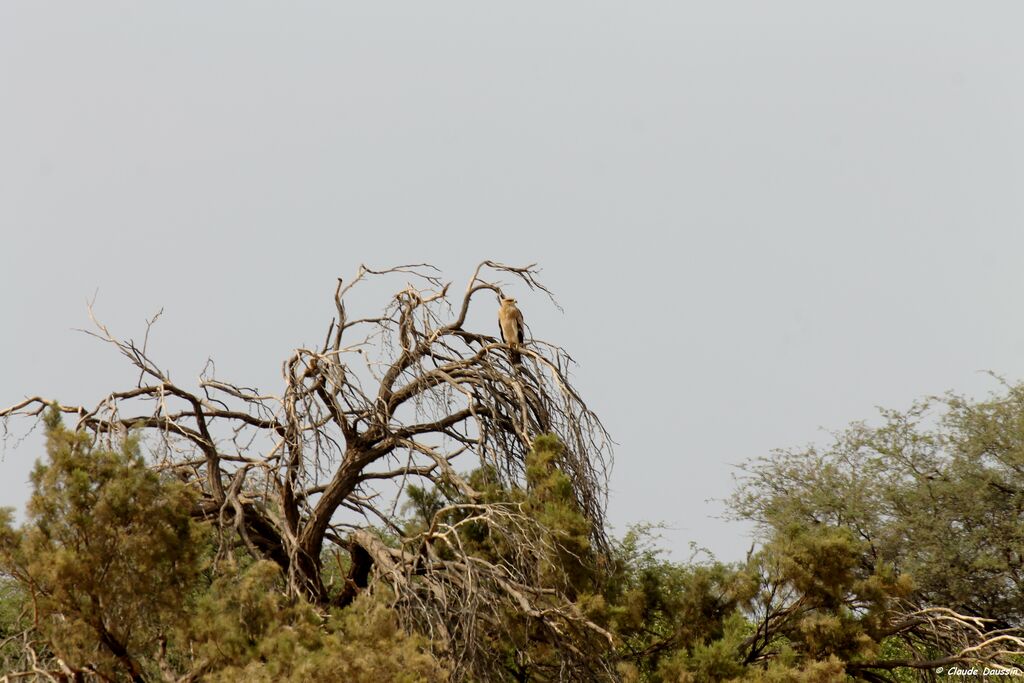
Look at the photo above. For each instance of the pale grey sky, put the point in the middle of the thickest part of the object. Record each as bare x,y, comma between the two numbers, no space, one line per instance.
760,218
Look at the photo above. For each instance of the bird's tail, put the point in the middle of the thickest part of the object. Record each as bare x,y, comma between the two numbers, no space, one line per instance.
515,356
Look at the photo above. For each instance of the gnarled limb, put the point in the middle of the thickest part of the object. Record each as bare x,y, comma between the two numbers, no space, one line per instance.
401,395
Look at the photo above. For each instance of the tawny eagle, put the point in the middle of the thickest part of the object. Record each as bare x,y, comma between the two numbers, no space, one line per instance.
510,320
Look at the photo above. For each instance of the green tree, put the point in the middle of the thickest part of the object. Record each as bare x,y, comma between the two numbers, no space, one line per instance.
111,579
541,537
247,628
660,610
893,551
309,476
107,556
890,527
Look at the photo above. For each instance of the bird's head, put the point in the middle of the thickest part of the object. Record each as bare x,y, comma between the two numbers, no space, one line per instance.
508,301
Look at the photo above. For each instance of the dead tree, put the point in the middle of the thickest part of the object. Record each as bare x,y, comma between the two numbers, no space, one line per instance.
407,394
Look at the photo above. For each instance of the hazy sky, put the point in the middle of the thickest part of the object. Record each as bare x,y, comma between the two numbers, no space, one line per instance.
761,218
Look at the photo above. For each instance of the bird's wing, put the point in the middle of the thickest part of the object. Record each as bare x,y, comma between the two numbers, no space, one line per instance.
520,325
501,325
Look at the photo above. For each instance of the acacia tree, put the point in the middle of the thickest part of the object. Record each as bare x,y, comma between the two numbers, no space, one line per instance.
898,547
406,395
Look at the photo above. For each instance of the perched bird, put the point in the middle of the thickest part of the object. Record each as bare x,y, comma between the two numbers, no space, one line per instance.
510,320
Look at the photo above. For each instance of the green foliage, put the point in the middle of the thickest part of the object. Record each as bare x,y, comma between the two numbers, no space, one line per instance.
925,508
119,579
796,611
935,492
112,574
14,617
710,659
107,555
660,609
247,628
550,501
830,670
564,564
842,601
424,503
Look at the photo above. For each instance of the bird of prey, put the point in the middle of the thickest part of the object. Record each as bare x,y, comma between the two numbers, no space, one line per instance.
510,320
